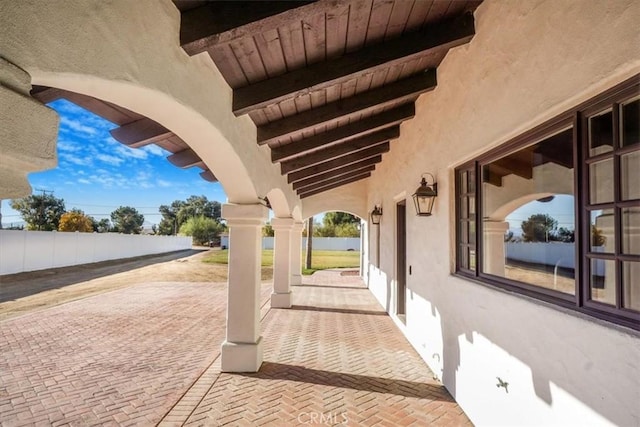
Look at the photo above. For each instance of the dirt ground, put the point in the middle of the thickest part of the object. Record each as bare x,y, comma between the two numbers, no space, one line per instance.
38,290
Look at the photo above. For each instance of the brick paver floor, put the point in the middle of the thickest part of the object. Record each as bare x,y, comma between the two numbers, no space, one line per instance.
149,354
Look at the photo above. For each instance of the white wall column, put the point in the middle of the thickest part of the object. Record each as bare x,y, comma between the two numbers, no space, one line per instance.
281,296
494,252
28,132
296,253
242,349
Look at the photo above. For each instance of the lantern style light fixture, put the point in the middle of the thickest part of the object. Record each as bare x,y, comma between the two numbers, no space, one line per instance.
425,195
376,215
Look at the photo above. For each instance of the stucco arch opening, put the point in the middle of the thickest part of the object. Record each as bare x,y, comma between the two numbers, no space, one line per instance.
199,133
506,209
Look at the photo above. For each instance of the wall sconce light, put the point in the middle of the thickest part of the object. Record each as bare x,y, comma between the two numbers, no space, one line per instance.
425,196
376,215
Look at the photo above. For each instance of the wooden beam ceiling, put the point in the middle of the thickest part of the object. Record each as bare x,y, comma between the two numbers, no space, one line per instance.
405,90
332,186
443,36
363,164
344,133
337,163
184,159
328,83
140,133
219,22
336,179
339,150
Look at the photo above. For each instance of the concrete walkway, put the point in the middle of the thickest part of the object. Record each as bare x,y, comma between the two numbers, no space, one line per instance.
148,355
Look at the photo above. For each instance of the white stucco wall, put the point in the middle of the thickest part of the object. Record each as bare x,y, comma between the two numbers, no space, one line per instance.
529,61
128,53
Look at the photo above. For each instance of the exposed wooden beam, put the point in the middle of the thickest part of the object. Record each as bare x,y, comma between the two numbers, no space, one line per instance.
47,94
364,164
335,179
225,21
332,186
337,163
440,37
207,175
403,90
344,133
141,132
340,150
185,158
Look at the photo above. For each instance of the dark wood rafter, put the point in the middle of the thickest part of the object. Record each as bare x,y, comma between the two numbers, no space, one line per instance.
441,37
340,150
207,175
405,90
338,163
332,186
336,179
222,22
185,159
368,164
344,133
140,133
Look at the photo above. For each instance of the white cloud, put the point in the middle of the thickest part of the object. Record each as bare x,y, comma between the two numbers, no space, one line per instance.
66,145
163,183
84,181
71,158
77,126
112,160
132,153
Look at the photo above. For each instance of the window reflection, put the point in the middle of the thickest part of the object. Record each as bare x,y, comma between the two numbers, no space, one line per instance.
528,206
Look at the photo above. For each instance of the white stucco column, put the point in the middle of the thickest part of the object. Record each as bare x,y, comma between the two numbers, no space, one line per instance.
28,132
295,254
281,296
494,253
242,349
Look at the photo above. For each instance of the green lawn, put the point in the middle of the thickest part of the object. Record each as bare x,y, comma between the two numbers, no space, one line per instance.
320,260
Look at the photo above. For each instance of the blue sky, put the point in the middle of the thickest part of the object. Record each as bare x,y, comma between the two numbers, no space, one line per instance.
97,174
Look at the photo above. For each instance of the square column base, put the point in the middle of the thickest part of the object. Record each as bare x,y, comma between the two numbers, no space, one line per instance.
279,300
296,279
241,357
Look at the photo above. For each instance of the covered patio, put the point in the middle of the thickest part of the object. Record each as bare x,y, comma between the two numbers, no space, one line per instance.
150,354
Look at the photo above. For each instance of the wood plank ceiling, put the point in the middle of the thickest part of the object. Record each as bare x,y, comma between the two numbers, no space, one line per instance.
327,83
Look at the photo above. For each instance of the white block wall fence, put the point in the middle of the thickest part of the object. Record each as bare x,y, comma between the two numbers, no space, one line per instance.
319,243
38,250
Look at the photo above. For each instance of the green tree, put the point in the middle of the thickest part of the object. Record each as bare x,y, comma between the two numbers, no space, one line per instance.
127,220
40,212
539,228
267,230
75,220
176,214
338,224
102,226
201,228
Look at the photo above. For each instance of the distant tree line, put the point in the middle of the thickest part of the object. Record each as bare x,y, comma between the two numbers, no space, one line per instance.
197,217
334,224
544,228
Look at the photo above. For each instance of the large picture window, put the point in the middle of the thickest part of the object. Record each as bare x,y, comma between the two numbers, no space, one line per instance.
555,213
